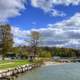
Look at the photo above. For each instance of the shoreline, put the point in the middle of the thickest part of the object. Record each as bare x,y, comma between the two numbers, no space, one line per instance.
48,63
13,72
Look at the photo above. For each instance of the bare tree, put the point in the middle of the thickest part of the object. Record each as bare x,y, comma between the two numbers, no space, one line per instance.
35,38
34,42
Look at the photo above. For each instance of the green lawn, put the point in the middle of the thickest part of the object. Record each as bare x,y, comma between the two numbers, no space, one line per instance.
12,64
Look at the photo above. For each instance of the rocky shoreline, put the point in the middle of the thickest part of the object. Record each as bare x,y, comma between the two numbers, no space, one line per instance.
10,73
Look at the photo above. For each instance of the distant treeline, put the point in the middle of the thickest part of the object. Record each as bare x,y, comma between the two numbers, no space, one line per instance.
48,51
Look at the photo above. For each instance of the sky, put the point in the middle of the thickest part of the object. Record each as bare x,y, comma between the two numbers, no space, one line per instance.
57,20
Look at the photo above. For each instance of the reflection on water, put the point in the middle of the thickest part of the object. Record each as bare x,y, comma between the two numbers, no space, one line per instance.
54,72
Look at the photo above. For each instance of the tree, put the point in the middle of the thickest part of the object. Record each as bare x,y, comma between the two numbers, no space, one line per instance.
7,39
34,42
45,54
35,37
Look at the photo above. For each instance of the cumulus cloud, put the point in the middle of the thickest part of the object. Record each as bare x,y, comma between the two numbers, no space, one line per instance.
19,42
17,32
73,22
10,8
67,2
67,31
73,43
47,6
62,34
19,36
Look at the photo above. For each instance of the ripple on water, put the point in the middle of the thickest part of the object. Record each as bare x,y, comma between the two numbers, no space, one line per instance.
57,72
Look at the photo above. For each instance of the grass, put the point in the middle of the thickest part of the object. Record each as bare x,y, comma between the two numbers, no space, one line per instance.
12,64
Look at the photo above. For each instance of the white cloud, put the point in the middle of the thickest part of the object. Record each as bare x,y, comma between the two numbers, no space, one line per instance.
57,13
19,33
63,34
18,41
67,2
20,36
10,8
67,31
72,43
46,6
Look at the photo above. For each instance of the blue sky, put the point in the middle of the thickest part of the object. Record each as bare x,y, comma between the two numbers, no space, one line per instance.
33,17
57,20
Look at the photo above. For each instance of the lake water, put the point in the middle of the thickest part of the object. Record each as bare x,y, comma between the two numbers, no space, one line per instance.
54,72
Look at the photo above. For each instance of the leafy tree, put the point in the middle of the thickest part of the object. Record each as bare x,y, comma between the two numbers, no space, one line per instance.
7,39
45,54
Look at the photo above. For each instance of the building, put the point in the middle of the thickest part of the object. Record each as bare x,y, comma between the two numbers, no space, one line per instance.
6,39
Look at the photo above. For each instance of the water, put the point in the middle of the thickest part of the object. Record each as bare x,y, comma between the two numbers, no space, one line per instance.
55,72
